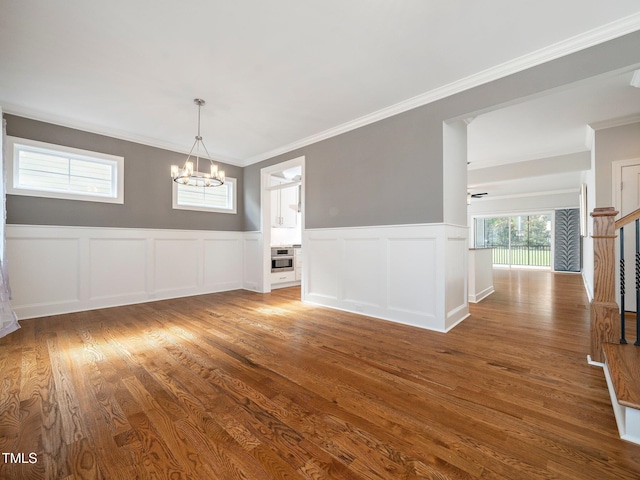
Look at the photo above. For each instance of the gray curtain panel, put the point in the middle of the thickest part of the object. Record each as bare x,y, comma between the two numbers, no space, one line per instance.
8,321
567,240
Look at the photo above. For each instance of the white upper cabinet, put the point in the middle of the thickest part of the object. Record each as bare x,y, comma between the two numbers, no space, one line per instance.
284,205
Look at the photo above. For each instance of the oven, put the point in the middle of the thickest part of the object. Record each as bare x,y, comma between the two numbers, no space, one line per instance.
281,259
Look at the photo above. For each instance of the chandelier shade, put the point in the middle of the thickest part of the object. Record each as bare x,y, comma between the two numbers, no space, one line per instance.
187,174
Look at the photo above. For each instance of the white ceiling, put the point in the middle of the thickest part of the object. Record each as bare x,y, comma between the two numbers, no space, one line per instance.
542,145
275,74
551,125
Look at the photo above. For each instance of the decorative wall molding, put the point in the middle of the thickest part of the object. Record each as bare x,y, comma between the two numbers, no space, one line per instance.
412,274
252,250
57,270
480,269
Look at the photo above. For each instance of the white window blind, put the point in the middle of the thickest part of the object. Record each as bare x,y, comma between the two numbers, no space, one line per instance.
220,199
60,172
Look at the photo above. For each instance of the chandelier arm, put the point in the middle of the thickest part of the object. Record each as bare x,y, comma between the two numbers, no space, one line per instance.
191,151
206,151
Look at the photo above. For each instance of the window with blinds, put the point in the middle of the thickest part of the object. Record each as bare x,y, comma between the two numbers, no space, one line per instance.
54,171
220,199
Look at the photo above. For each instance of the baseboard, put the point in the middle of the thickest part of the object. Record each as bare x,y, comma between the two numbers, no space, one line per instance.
478,297
594,363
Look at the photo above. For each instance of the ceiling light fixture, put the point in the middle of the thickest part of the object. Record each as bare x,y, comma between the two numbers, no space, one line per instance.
187,175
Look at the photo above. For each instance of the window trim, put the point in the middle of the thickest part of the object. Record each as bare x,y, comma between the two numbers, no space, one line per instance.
234,200
13,170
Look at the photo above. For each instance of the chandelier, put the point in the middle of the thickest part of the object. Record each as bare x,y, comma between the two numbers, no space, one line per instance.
195,178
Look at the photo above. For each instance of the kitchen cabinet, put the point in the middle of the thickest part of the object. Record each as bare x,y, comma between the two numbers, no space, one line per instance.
284,207
282,277
289,278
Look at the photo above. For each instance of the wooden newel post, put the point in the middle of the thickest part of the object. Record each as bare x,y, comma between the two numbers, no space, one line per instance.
605,314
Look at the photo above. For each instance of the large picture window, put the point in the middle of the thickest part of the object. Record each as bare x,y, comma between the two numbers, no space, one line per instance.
521,240
220,199
54,171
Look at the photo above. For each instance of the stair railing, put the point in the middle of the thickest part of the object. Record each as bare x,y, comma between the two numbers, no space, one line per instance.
619,225
607,319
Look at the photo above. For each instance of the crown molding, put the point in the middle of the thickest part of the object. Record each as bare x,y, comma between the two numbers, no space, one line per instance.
635,80
105,131
616,122
574,44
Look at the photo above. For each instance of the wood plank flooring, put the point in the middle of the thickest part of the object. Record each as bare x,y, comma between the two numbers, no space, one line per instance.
240,385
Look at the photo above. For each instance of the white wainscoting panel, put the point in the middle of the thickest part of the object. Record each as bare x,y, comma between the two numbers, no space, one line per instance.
362,271
480,270
223,257
54,269
43,270
177,264
118,268
412,274
322,274
252,251
456,288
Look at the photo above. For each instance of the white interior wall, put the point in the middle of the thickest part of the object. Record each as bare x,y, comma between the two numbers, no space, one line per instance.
589,177
455,172
516,204
611,145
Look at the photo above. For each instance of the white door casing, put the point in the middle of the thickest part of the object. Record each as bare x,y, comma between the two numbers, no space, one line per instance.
626,192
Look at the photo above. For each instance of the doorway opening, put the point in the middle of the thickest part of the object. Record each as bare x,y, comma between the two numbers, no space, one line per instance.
282,193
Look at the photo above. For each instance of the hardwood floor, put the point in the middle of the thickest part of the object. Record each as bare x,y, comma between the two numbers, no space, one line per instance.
240,385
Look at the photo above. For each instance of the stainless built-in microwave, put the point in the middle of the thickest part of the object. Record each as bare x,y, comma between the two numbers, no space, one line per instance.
281,259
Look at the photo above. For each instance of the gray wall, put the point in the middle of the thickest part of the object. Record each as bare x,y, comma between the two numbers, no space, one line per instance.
147,187
356,178
343,183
